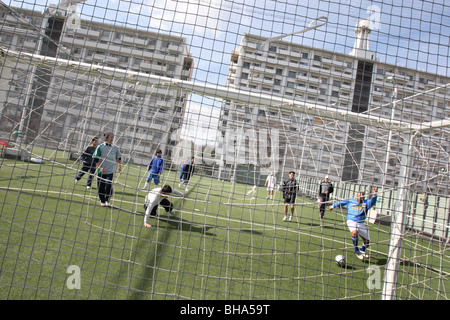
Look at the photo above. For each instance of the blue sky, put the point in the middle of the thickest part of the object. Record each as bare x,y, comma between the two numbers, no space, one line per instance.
409,33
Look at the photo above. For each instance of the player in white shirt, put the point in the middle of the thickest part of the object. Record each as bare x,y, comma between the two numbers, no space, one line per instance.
156,197
271,182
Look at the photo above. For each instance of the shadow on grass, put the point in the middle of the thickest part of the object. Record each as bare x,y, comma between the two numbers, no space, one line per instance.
175,223
377,261
149,280
252,231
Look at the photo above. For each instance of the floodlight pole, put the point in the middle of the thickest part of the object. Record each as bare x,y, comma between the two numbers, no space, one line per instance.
311,26
398,219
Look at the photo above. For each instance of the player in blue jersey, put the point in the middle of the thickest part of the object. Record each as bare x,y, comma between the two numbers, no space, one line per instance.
356,216
155,169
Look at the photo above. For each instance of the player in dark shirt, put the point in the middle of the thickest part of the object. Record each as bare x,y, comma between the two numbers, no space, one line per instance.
88,165
325,190
289,188
187,170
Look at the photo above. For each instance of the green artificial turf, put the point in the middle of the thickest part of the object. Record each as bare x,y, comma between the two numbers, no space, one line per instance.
219,244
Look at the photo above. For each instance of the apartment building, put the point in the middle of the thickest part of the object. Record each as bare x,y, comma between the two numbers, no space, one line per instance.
69,106
317,147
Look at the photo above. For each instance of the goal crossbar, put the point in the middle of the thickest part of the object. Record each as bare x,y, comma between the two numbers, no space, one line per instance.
226,93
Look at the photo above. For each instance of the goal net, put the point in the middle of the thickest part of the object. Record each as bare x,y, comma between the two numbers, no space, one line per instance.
250,113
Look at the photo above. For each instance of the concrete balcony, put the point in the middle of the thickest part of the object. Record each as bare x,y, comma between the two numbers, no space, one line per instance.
112,59
30,44
308,79
134,40
153,67
175,48
86,32
99,57
285,52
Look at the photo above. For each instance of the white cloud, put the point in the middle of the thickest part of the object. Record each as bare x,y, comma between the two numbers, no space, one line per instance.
185,17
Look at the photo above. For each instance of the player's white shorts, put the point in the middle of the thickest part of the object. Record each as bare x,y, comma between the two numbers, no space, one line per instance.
270,188
360,227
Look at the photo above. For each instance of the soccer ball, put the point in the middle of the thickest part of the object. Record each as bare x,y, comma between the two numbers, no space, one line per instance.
340,260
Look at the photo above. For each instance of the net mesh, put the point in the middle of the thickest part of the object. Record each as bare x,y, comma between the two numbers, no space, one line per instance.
250,92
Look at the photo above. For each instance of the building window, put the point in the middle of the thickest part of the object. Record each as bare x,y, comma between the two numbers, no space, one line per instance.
336,83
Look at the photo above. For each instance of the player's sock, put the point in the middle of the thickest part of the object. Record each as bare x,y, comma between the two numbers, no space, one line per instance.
364,247
355,243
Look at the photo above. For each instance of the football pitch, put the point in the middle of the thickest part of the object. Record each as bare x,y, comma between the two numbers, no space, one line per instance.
220,243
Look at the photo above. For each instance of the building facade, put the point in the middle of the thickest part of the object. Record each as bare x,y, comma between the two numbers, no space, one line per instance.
65,107
317,147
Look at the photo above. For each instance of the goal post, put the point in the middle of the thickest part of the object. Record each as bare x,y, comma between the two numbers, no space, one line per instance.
226,93
399,214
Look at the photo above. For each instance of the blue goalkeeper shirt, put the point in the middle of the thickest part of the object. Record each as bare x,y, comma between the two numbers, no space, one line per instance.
156,165
357,211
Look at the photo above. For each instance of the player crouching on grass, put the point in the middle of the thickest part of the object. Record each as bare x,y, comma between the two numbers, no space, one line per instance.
156,197
356,215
